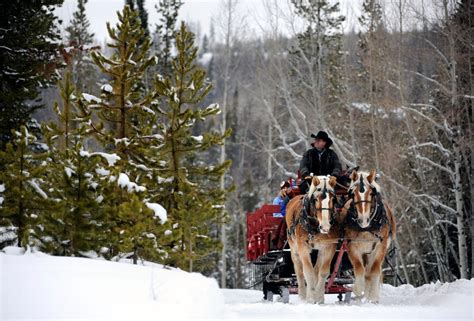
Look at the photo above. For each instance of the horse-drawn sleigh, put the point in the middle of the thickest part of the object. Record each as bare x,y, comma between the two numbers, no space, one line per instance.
336,232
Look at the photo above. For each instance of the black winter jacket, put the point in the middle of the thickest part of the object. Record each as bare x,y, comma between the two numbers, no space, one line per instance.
329,164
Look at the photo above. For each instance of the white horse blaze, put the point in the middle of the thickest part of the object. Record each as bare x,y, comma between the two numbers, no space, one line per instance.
316,190
366,207
325,215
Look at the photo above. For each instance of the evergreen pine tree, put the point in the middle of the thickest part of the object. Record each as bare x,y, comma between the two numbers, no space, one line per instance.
22,195
192,194
371,41
139,5
79,41
28,40
73,226
165,33
127,130
78,30
123,105
143,16
132,230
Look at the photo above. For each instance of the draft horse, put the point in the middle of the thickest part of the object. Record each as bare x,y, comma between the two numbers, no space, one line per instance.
312,225
369,225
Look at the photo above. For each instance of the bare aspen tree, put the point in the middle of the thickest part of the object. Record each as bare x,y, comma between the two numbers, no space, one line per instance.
229,23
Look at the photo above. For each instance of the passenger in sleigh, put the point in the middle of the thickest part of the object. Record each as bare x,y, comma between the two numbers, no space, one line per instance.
282,199
279,238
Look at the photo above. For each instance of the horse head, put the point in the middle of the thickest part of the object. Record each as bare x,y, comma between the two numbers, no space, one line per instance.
363,191
321,194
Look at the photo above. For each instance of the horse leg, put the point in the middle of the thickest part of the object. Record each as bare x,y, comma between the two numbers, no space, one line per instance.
369,262
299,272
359,271
308,271
375,272
323,265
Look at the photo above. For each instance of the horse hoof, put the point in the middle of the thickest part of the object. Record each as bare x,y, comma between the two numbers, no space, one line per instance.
315,300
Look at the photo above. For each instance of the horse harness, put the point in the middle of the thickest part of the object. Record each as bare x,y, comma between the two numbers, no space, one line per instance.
309,222
378,217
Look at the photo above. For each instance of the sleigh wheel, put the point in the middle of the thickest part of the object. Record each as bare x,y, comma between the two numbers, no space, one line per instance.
269,296
285,294
347,297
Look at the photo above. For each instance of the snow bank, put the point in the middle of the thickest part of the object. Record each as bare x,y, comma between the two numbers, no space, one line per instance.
39,286
36,286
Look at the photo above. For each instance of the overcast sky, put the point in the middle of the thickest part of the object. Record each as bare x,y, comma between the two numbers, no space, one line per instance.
195,11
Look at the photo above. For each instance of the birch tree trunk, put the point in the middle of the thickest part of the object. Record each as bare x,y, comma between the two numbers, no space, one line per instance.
228,16
458,191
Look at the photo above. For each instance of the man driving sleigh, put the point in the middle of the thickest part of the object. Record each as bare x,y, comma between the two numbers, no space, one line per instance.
319,160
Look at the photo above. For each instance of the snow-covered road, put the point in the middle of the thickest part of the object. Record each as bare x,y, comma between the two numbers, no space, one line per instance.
38,286
453,301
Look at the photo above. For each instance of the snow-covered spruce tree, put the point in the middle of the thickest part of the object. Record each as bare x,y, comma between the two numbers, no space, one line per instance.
189,187
126,129
164,36
22,198
142,13
79,39
136,230
28,41
78,31
123,102
72,226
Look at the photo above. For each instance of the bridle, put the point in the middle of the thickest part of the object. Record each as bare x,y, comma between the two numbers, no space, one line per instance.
375,196
324,195
308,221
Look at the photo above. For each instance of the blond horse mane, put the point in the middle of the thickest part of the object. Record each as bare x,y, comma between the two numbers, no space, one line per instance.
365,176
319,182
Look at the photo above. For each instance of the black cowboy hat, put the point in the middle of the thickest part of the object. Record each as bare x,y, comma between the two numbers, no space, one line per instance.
324,136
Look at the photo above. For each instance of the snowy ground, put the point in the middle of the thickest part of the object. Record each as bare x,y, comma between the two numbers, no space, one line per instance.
38,286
